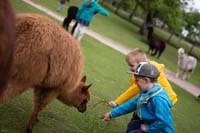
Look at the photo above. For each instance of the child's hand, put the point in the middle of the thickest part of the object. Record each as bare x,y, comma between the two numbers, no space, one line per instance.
112,104
143,127
106,117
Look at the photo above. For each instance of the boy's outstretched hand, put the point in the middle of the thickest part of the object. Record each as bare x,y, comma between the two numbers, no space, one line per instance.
106,117
112,104
143,127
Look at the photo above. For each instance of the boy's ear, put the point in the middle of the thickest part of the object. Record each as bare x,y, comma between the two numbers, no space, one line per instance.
147,79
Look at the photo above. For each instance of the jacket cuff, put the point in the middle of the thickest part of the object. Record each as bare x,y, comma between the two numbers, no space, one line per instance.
118,102
110,113
147,128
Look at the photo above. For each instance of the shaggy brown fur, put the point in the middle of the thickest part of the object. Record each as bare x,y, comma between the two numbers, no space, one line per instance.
7,33
48,59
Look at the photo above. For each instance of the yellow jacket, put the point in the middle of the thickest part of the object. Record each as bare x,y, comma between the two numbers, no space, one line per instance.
133,90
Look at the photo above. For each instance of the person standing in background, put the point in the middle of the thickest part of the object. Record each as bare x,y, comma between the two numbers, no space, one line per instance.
71,15
84,16
61,6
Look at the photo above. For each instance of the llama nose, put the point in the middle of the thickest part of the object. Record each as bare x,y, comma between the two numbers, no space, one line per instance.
82,110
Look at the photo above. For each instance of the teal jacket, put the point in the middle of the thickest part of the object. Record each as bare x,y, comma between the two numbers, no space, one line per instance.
153,107
86,13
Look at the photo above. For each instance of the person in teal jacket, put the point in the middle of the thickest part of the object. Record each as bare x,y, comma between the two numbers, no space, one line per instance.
152,105
84,16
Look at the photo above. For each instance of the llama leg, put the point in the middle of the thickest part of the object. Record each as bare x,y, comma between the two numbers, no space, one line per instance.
185,75
182,75
152,51
190,72
149,50
178,73
42,97
155,52
159,54
11,91
189,75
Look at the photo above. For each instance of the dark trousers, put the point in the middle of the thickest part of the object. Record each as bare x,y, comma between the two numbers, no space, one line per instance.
136,131
66,23
134,125
71,15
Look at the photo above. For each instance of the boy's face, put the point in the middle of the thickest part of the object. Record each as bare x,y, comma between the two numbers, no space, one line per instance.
143,83
132,65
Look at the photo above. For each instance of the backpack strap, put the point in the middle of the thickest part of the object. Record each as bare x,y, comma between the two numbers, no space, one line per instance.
145,101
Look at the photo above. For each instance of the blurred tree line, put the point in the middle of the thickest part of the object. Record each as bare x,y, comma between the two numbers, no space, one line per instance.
171,15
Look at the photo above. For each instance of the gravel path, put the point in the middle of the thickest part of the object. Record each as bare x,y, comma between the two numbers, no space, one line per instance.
194,90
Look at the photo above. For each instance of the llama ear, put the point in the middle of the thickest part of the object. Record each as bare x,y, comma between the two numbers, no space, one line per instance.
85,89
83,79
88,86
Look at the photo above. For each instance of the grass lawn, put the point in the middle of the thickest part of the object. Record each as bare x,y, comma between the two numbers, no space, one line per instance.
106,69
126,33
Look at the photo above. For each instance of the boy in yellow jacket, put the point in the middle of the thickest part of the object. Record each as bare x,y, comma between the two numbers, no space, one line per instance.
133,59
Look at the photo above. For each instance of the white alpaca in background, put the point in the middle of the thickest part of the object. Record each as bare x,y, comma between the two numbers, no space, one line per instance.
186,64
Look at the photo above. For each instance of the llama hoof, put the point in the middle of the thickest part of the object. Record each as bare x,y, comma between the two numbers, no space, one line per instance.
198,98
28,130
184,79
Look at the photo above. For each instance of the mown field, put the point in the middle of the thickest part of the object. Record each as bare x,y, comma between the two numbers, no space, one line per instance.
106,70
126,33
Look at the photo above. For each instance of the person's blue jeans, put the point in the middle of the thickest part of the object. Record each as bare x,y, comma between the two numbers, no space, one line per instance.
136,131
134,125
60,7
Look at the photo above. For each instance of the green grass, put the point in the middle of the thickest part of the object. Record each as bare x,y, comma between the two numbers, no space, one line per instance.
162,33
106,69
109,80
126,33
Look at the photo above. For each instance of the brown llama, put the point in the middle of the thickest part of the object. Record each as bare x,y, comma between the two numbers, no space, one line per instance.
7,34
49,60
156,45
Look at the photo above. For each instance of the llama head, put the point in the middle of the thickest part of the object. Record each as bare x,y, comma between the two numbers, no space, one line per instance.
181,52
77,97
84,95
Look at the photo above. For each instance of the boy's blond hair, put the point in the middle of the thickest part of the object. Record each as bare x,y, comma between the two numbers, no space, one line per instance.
136,55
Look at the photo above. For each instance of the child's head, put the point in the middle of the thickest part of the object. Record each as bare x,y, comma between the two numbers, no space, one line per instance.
134,58
146,75
89,3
